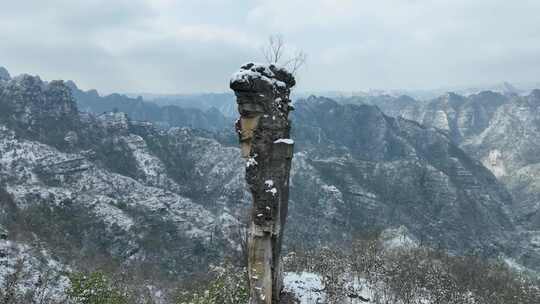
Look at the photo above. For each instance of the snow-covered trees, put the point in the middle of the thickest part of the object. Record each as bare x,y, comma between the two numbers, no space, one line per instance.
375,273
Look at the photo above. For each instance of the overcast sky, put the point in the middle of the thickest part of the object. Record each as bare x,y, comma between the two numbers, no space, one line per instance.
185,46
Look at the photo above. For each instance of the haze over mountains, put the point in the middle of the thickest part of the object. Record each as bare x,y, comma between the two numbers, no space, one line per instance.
158,191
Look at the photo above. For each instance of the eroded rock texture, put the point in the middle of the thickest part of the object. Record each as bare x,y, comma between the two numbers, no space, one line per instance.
262,94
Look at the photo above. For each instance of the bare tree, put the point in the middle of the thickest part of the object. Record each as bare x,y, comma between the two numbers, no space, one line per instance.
276,52
273,51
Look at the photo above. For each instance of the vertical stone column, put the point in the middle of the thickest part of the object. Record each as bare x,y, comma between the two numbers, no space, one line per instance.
262,93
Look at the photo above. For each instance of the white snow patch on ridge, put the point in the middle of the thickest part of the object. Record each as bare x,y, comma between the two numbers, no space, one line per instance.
495,163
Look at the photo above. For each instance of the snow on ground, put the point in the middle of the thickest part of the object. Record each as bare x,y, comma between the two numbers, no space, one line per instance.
38,271
104,209
306,286
309,288
394,238
155,173
82,182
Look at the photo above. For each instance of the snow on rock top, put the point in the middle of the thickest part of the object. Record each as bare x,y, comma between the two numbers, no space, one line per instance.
257,71
270,74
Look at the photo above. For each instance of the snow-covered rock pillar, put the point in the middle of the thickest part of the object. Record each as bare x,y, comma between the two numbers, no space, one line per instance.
262,93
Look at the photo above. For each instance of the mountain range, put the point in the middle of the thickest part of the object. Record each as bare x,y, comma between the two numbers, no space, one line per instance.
500,130
93,182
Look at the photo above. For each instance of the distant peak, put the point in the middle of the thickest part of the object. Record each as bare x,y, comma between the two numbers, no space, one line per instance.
535,94
319,100
406,98
486,94
27,78
4,74
509,88
452,95
71,84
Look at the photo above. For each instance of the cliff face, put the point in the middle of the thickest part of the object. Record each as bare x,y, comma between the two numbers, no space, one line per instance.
382,171
510,147
501,131
39,110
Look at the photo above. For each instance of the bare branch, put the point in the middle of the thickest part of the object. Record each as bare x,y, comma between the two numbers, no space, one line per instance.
275,52
296,62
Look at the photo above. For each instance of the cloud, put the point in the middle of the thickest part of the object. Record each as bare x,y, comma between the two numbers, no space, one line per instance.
391,43
194,45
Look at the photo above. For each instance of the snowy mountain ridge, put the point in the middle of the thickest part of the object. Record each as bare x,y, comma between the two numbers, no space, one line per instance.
107,191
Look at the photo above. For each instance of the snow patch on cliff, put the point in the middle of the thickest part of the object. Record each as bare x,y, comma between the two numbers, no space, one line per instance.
495,163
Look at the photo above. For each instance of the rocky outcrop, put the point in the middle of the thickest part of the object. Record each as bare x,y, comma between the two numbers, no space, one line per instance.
262,94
